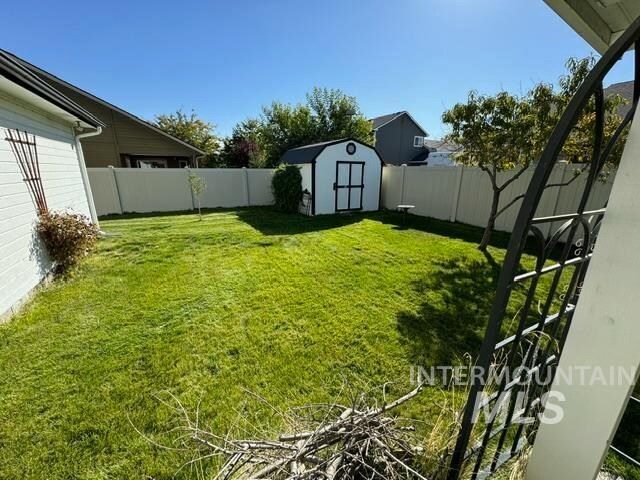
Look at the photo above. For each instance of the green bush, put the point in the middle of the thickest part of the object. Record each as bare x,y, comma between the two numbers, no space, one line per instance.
67,237
287,187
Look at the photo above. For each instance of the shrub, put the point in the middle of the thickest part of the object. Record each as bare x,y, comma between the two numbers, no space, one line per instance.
67,237
287,187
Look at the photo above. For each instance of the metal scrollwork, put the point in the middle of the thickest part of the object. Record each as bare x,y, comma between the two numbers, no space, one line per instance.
534,340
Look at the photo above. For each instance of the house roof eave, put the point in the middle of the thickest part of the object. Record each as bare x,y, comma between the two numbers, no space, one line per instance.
17,74
102,102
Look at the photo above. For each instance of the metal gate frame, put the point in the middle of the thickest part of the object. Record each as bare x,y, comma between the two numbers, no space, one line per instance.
573,244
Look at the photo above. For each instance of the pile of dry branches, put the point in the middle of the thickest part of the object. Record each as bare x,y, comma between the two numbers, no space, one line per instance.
325,441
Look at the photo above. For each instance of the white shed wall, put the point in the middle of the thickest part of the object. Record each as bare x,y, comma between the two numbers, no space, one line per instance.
305,171
326,176
23,264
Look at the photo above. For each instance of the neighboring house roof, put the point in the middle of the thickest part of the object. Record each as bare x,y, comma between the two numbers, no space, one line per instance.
383,120
11,69
42,73
625,90
440,145
308,153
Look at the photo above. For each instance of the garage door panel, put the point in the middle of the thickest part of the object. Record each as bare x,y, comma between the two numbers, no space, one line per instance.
342,200
356,174
343,174
356,198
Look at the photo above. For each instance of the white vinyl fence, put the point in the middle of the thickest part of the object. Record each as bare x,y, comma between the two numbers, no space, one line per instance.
464,194
122,190
457,194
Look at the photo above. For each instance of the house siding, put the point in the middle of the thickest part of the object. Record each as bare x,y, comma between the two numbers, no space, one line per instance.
394,141
23,264
121,136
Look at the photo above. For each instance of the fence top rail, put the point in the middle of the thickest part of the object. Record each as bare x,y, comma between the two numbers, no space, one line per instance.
126,169
568,216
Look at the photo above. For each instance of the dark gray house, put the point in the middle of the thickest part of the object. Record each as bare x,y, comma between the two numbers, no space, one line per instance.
625,90
399,138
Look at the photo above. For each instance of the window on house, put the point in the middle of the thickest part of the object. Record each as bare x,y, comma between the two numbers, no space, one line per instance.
418,142
183,163
153,163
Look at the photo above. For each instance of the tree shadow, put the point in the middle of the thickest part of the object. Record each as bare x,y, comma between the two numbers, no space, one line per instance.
451,319
270,221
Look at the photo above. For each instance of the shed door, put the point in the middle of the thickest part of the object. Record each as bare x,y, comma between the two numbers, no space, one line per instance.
349,186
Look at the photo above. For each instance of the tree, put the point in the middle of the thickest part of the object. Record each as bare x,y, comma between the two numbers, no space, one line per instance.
198,186
193,130
327,114
244,148
508,132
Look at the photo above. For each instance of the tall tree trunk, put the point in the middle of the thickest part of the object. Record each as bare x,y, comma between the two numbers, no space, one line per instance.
491,223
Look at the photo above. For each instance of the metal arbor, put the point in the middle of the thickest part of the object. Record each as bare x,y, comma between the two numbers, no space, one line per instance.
541,327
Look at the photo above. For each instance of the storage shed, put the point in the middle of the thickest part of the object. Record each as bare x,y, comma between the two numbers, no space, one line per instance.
340,175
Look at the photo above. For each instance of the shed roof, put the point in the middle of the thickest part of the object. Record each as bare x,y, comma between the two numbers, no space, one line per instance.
12,70
308,153
46,75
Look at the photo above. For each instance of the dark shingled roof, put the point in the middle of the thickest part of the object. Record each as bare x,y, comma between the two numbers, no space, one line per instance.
625,90
308,153
15,72
382,119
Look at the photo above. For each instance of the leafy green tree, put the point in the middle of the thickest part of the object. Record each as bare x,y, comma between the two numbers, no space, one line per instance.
193,130
327,114
244,147
505,132
337,116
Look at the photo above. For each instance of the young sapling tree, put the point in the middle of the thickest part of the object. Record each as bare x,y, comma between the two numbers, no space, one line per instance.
198,187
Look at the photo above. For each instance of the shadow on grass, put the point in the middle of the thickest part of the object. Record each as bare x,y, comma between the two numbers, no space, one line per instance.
452,317
269,221
175,213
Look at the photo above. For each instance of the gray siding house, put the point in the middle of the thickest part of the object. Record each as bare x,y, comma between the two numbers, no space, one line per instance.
399,138
625,90
126,140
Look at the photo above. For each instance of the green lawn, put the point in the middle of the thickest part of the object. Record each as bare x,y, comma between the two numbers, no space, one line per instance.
285,306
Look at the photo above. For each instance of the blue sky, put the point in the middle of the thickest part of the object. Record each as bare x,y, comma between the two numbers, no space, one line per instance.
226,59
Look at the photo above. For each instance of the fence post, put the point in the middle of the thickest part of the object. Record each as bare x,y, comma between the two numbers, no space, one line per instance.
115,183
559,190
456,194
193,200
556,203
404,173
247,197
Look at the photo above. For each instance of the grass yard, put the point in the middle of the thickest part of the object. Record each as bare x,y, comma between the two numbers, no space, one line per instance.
287,307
